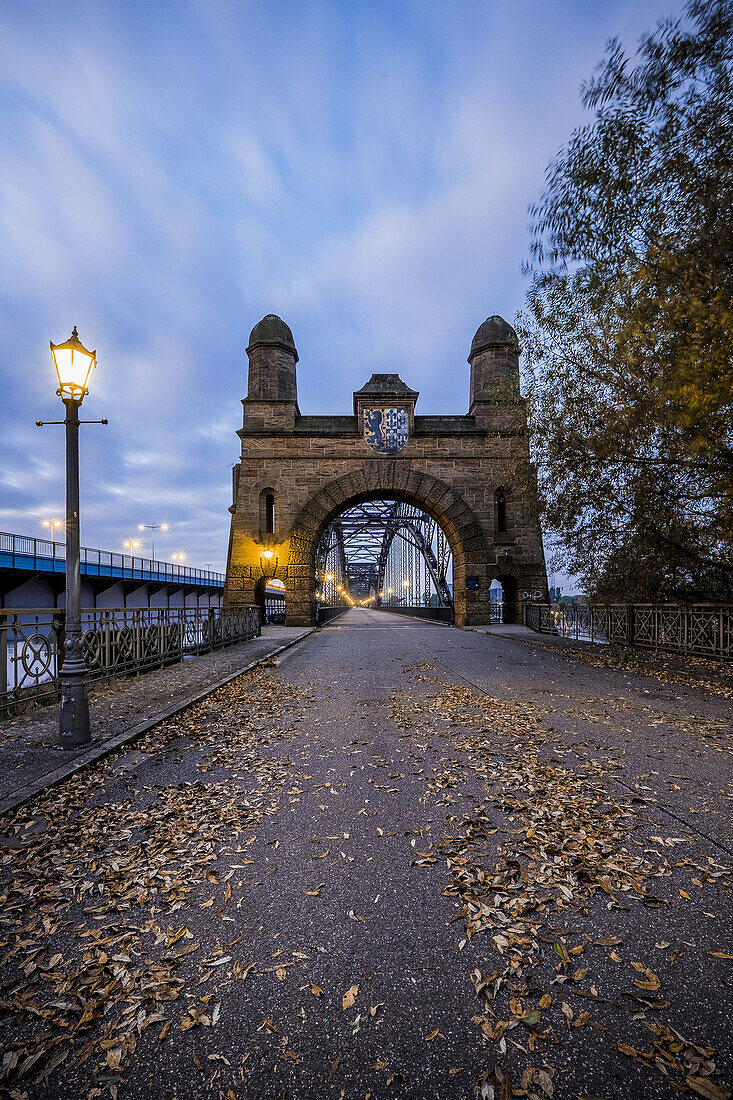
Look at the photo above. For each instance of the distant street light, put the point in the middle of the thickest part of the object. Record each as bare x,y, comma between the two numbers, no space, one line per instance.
132,544
152,527
178,557
53,524
74,365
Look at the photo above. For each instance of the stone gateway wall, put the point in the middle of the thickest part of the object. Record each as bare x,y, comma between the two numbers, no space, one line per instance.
472,473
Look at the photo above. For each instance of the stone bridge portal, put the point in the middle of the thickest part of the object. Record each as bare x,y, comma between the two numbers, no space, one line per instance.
471,473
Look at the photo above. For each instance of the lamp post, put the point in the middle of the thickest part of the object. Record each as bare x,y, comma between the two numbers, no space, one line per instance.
74,365
153,527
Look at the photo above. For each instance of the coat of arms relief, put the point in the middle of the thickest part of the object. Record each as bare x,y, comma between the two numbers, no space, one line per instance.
386,430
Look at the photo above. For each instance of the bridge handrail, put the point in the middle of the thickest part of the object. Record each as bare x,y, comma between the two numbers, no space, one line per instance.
695,629
116,641
48,550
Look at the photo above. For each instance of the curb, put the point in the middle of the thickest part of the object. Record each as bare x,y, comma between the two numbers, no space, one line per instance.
96,752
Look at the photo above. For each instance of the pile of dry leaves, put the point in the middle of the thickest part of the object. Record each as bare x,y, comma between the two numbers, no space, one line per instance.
89,954
568,852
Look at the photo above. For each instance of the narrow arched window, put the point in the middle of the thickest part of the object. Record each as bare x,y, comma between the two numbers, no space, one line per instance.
500,507
267,517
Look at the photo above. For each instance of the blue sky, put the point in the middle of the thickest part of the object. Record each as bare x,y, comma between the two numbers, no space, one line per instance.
173,171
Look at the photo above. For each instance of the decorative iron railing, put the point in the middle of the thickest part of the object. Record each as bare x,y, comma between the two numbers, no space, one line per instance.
48,556
117,641
274,609
703,630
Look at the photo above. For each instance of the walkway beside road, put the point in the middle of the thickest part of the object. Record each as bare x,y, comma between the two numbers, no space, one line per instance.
28,744
402,861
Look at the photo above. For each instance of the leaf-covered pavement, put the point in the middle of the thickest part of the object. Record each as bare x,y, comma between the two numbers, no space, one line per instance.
408,862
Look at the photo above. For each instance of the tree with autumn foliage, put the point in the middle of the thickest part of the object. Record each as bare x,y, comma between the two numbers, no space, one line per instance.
628,327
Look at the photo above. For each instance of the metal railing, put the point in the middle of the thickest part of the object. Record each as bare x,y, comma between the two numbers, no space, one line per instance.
435,614
274,609
117,641
325,612
701,630
47,556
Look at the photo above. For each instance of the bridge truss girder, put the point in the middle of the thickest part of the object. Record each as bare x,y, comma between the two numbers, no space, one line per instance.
361,540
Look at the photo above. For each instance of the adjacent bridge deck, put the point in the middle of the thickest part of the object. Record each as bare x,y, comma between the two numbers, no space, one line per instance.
34,569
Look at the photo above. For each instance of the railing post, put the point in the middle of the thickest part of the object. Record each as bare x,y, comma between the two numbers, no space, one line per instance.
4,654
629,624
686,614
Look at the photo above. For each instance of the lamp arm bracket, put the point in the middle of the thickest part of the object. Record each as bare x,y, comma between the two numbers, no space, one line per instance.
43,423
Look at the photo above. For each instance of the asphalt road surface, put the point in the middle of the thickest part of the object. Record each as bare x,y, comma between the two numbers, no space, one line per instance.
404,861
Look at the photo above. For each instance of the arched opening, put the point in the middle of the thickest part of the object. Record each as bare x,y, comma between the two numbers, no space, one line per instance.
396,482
509,607
500,512
496,596
385,553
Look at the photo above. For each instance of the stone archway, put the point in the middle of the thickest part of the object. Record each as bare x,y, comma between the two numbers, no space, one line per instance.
472,473
375,480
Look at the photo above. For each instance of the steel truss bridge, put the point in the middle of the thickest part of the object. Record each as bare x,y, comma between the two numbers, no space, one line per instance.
385,552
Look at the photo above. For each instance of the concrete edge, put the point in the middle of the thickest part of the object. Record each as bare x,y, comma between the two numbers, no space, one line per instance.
96,752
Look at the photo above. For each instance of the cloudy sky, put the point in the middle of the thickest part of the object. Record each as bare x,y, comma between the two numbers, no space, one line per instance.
173,171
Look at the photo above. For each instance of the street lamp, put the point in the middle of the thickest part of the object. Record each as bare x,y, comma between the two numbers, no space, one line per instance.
74,365
53,524
132,544
178,557
153,527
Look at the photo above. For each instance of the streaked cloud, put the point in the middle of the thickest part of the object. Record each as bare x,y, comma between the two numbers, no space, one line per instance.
171,172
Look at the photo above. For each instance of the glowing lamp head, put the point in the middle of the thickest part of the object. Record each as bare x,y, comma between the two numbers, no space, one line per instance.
74,365
267,554
405,584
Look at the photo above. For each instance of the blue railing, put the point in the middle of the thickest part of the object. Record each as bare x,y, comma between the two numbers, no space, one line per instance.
45,556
